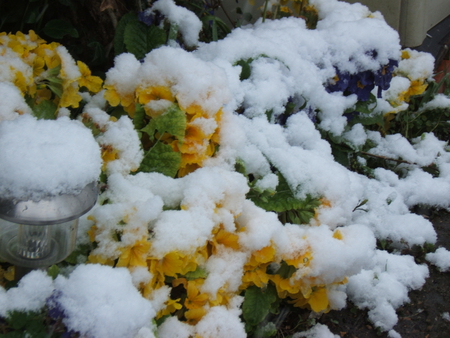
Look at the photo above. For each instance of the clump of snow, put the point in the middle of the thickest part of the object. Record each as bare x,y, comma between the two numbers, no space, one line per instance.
30,294
69,69
176,68
12,103
439,101
123,139
221,323
187,22
99,301
440,258
124,74
173,328
317,331
417,65
385,287
46,157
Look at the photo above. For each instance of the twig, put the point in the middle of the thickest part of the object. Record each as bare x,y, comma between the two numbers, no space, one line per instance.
226,14
386,158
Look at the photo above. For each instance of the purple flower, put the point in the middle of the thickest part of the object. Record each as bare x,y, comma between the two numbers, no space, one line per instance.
339,83
150,17
383,76
362,84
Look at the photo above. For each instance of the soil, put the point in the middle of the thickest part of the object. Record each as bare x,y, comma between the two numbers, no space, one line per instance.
422,317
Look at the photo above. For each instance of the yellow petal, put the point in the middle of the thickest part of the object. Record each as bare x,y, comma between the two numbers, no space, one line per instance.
319,300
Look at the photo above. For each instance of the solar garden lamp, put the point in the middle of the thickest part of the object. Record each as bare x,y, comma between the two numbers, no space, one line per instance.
38,234
38,228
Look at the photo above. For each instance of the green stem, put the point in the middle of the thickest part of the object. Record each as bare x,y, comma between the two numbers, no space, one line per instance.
265,10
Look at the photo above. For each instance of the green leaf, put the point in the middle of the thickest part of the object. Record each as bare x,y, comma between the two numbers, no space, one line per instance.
173,121
240,167
45,110
140,39
119,44
368,120
53,72
283,199
285,270
266,331
56,88
31,323
197,273
173,32
139,116
257,304
53,271
80,251
58,28
246,69
161,158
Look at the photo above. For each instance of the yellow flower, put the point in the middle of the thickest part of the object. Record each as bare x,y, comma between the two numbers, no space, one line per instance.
172,305
100,259
145,95
108,154
195,299
92,83
225,238
48,54
7,274
70,96
114,98
135,255
255,276
338,234
193,111
92,232
21,82
319,299
255,269
42,95
175,263
222,298
285,286
299,260
35,38
158,278
405,55
38,65
264,255
416,87
193,316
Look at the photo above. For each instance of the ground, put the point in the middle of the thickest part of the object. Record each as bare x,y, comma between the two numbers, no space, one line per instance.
421,318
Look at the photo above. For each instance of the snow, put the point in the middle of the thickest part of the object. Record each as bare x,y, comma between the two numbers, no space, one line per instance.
63,154
186,21
440,258
290,64
318,331
95,308
30,294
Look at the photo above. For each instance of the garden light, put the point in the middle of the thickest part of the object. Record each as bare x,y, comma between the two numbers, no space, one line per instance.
38,234
48,175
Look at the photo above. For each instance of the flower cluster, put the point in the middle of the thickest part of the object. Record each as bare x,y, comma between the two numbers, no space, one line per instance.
46,75
161,105
219,257
363,82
